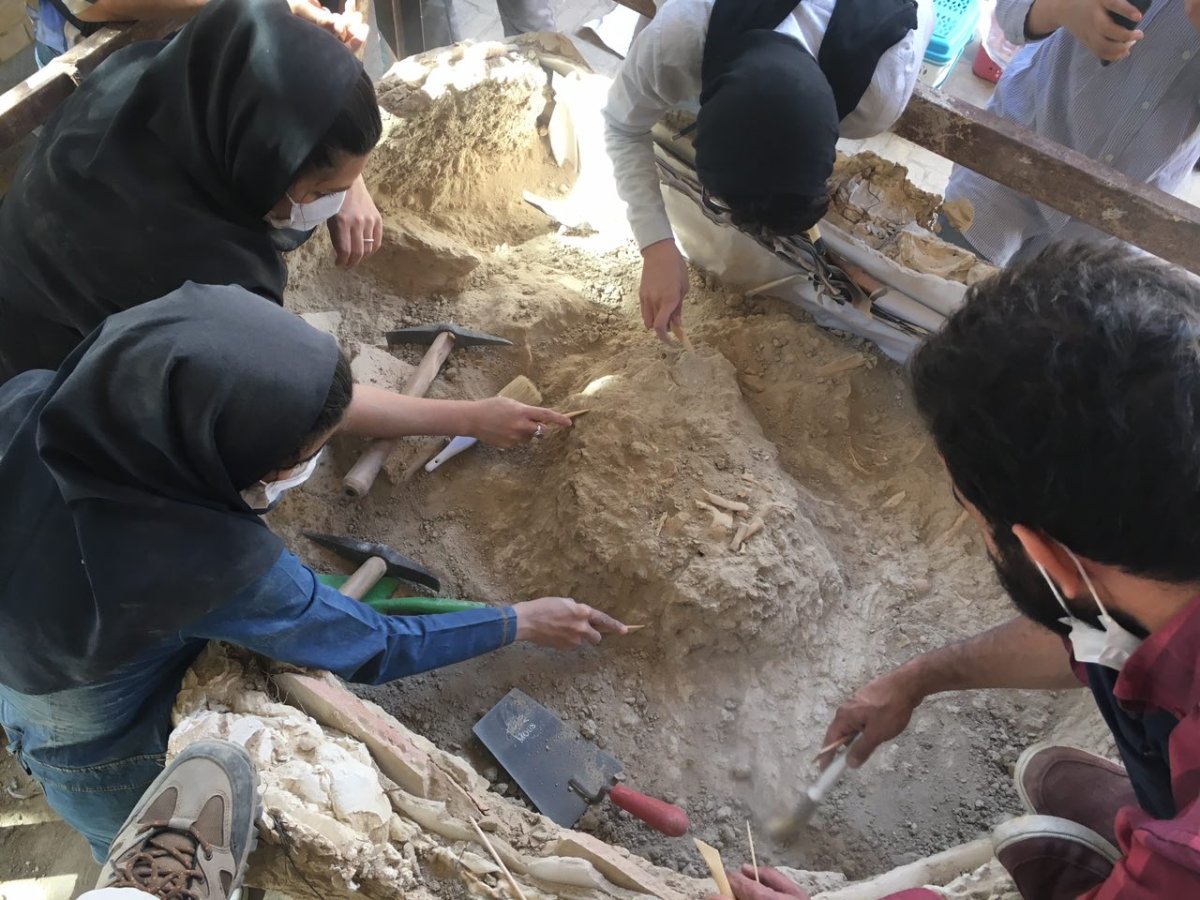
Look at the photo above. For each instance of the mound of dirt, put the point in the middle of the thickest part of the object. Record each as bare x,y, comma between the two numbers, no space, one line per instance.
862,560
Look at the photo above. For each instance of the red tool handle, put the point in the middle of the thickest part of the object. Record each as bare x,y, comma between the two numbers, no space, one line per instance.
658,814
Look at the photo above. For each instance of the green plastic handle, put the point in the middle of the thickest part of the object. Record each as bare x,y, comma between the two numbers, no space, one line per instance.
380,599
421,606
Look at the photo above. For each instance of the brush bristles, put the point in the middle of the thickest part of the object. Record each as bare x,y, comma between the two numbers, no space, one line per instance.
522,390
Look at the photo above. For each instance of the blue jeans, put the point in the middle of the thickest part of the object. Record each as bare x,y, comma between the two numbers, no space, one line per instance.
43,53
95,749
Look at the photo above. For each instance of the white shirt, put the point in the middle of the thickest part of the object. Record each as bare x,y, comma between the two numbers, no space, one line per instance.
662,72
1140,115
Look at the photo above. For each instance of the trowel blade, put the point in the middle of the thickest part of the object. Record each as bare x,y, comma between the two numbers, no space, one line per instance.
544,755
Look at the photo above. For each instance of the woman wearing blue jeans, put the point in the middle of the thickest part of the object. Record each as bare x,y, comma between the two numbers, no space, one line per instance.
134,479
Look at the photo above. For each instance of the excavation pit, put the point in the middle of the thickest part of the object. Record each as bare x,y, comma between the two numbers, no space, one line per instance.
720,702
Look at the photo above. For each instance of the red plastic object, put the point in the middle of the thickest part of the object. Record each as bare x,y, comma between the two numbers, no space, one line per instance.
658,814
985,67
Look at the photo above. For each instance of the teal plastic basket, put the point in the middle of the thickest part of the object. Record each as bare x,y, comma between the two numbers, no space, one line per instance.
953,29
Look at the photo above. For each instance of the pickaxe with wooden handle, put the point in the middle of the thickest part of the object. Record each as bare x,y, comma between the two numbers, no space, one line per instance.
441,339
374,561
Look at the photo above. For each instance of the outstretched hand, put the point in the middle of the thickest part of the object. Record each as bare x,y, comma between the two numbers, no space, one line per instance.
503,422
562,623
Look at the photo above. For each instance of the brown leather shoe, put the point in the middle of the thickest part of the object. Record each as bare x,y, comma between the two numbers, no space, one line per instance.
1051,858
1074,784
192,833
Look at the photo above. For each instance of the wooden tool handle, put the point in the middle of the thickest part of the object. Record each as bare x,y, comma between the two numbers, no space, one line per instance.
658,814
361,477
431,363
426,450
364,578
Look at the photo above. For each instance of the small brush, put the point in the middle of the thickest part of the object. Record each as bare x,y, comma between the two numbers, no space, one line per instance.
787,828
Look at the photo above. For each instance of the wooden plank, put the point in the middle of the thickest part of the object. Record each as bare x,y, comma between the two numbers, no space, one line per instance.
1061,178
29,104
645,7
1047,171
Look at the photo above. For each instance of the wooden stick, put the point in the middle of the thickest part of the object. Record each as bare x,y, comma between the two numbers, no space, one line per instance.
512,882
629,629
681,336
771,285
359,479
716,868
577,413
840,742
731,505
753,855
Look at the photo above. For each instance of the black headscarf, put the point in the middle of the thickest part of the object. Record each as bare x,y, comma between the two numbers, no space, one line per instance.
122,519
769,111
160,168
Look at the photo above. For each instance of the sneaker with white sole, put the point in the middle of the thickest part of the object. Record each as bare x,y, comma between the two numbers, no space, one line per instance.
192,833
1073,784
1051,858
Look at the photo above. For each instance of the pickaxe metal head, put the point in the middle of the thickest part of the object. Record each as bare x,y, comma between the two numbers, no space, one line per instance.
358,552
427,334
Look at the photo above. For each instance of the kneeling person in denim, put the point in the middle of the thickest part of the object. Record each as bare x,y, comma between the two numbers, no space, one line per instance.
130,535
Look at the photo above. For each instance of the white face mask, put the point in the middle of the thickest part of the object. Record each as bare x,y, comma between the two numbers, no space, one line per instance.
262,497
307,216
1111,645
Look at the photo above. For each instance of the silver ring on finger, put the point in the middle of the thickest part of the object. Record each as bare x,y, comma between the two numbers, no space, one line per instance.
539,432
368,240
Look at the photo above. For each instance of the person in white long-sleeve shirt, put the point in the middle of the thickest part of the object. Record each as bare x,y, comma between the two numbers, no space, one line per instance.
774,84
1140,114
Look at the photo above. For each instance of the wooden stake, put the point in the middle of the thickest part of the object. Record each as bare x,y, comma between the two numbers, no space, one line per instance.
681,336
753,855
512,882
716,868
731,505
840,742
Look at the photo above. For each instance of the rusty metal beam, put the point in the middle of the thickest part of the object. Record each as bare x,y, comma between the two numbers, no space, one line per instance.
645,7
1046,171
1050,173
29,104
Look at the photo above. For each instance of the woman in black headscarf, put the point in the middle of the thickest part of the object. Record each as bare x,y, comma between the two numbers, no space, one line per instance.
774,84
198,159
129,535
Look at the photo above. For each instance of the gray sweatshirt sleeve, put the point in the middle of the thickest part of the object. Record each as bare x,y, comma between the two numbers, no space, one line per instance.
661,72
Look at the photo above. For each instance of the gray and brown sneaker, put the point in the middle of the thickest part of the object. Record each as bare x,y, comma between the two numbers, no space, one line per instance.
192,833
1073,784
1051,858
